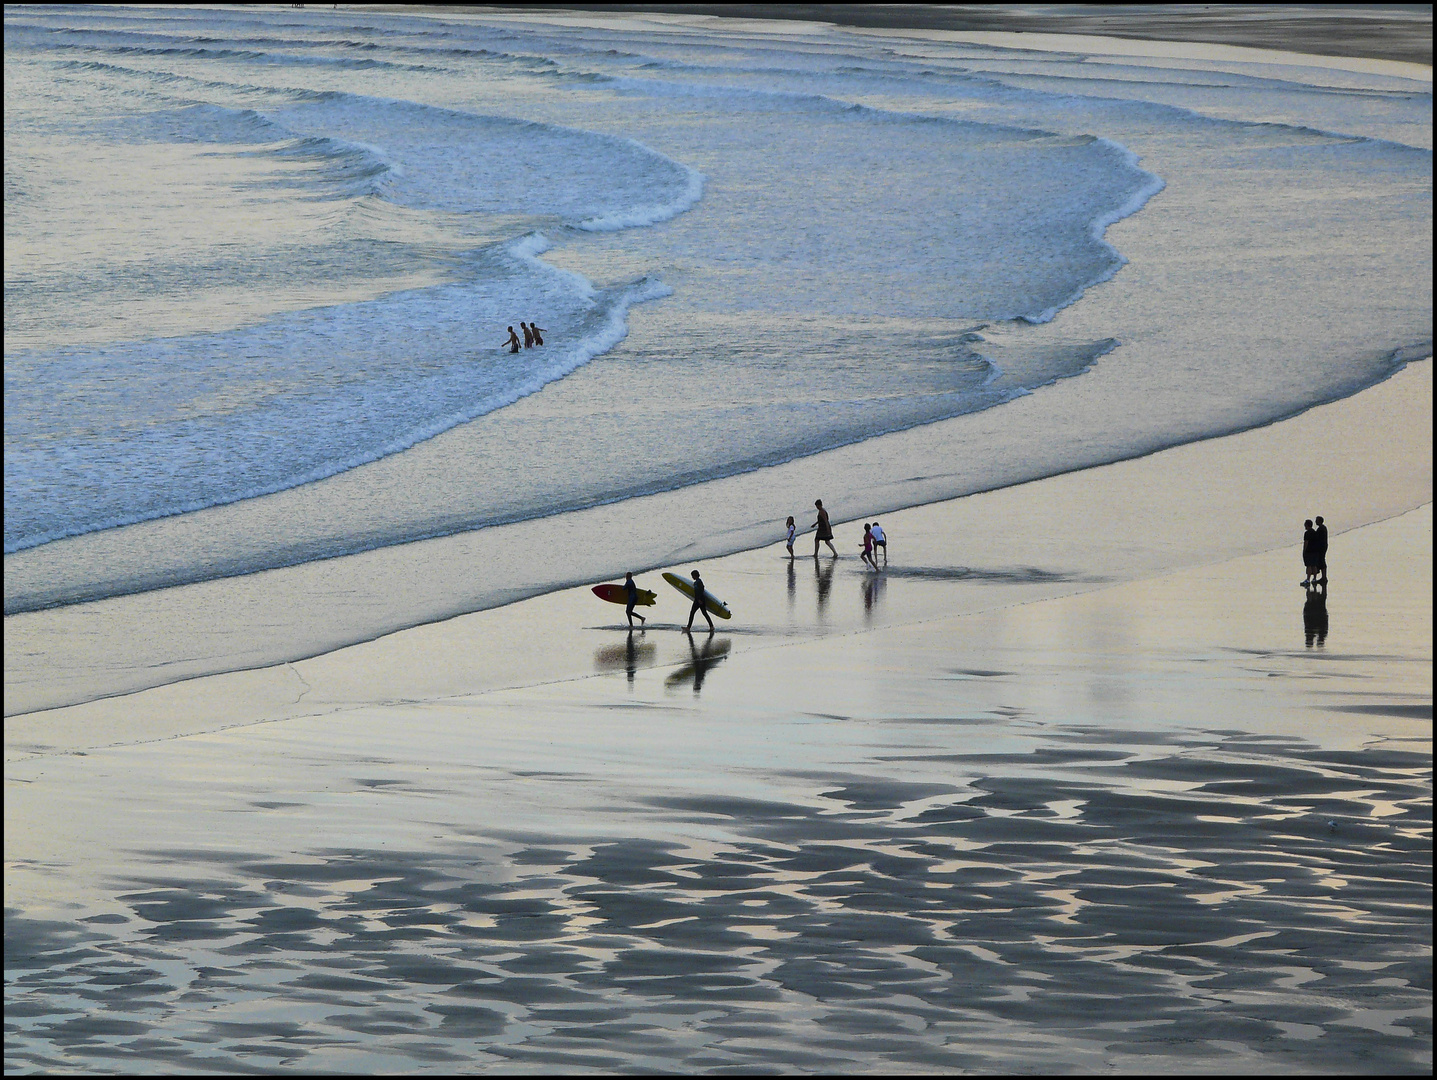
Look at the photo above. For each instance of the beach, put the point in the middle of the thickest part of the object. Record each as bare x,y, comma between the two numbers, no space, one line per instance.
1002,815
358,775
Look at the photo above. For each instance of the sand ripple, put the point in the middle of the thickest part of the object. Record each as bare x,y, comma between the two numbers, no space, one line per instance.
1198,902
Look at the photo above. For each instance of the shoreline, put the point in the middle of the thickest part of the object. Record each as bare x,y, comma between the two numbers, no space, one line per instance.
1346,31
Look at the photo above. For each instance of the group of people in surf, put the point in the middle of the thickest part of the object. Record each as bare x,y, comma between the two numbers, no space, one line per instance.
873,538
533,335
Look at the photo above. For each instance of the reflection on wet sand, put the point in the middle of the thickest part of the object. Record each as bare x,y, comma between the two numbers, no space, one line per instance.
1094,902
704,657
1314,615
823,570
629,657
873,585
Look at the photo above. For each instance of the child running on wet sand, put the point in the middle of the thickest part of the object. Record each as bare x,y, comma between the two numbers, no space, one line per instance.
868,546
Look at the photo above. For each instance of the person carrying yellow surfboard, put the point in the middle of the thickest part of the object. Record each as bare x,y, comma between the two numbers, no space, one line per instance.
699,605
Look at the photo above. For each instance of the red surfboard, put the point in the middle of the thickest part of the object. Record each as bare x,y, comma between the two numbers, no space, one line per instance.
617,594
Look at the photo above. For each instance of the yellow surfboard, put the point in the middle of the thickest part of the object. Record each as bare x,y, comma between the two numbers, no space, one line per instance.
714,605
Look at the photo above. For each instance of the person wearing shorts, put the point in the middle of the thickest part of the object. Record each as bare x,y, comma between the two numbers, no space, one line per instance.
880,541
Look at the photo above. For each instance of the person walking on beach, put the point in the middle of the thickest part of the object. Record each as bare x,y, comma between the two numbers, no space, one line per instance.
631,597
823,532
1309,552
1320,548
880,541
537,330
528,334
792,529
699,597
513,341
868,546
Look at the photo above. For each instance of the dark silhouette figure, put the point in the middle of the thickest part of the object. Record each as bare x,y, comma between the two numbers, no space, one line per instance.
537,330
528,334
1314,616
792,585
1320,548
699,597
823,532
703,659
825,581
513,341
872,593
631,597
631,658
1309,552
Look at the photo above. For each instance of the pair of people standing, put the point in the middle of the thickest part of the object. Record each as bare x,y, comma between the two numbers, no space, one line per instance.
1314,552
532,336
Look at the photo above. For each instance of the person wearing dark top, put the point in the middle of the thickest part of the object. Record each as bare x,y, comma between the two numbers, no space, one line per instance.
631,597
538,330
1309,552
822,530
1320,548
699,598
513,341
528,334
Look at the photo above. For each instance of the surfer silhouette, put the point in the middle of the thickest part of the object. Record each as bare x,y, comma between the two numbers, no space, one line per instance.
631,597
513,341
537,331
528,334
823,532
699,597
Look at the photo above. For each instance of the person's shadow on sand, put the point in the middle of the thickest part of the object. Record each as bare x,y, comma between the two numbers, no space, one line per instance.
705,657
1314,616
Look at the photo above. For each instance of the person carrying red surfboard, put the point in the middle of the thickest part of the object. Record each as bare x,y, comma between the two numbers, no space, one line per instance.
631,597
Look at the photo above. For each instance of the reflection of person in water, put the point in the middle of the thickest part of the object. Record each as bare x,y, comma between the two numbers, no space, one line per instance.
825,579
1314,616
631,657
872,593
704,656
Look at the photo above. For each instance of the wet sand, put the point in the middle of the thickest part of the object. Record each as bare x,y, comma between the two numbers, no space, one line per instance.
1011,805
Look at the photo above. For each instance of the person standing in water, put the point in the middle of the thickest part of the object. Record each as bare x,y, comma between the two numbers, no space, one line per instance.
791,530
631,597
1309,553
528,334
537,330
823,532
880,541
1320,548
513,341
868,546
699,597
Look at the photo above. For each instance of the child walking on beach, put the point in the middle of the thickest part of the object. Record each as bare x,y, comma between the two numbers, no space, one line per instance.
791,530
880,541
868,546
